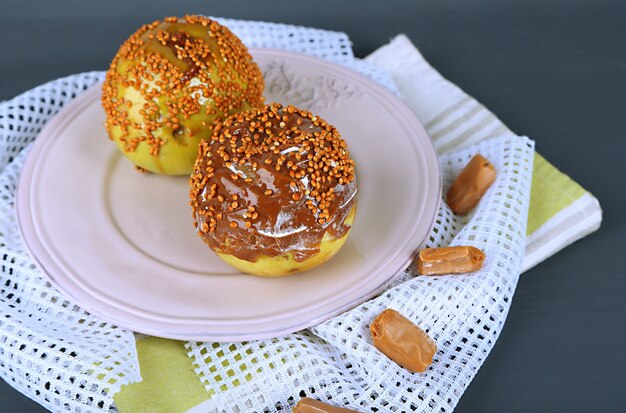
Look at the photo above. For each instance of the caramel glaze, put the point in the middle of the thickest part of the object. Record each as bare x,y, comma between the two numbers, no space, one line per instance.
272,181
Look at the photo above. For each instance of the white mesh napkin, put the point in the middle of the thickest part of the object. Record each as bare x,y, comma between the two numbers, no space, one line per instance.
336,362
51,350
67,360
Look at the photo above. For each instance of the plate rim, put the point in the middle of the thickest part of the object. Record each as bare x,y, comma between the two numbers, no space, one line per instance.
49,265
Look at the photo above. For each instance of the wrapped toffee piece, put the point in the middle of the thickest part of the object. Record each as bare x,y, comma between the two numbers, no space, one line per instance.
402,341
307,405
470,185
449,260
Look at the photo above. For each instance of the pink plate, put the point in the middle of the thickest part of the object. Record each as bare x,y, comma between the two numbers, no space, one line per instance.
123,246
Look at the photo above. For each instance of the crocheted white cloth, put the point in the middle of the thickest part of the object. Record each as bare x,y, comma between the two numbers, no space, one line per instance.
336,362
67,360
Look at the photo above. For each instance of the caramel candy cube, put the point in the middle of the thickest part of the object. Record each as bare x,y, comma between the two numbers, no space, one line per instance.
402,341
449,260
307,405
470,185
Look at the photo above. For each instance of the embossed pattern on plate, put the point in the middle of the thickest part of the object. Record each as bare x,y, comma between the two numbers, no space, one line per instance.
123,246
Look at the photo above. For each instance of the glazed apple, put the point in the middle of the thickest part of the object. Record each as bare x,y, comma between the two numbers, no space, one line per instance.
168,85
274,192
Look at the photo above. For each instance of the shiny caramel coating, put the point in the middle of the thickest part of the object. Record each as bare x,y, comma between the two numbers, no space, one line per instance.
402,341
470,185
449,260
308,405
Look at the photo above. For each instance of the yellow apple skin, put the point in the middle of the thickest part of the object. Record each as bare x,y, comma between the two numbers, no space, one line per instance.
283,265
169,83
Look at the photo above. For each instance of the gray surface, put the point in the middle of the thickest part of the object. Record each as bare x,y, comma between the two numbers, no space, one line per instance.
555,72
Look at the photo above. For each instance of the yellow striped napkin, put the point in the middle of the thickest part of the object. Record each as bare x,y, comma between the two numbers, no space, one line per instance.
561,211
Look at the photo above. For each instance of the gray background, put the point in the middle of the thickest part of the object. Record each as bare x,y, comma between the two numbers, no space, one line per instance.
555,71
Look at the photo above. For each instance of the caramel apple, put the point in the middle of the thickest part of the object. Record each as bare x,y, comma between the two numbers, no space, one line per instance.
273,192
167,86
